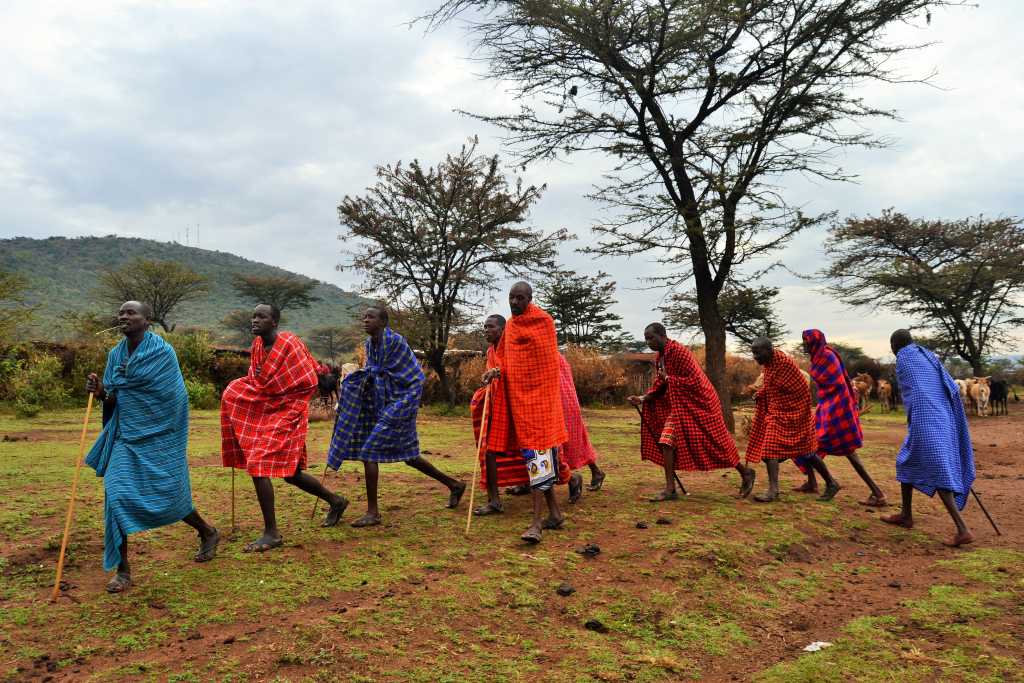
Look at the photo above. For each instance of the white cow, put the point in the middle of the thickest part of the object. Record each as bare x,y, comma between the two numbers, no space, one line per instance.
980,392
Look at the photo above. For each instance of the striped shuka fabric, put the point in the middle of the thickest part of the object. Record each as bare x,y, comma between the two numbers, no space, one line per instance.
937,452
836,422
142,451
377,406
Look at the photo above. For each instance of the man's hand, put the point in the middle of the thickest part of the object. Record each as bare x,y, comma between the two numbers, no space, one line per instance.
491,375
94,386
662,375
635,400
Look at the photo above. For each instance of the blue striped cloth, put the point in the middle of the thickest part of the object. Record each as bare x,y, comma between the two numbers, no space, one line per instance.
937,453
142,451
377,406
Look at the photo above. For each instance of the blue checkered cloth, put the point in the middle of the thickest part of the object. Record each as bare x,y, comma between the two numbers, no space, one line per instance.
937,453
377,406
142,451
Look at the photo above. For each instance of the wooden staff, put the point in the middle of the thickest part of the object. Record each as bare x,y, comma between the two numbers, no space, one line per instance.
982,506
232,499
476,462
71,503
316,501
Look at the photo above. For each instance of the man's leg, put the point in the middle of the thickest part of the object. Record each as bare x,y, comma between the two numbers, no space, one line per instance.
372,516
831,485
123,578
555,519
877,498
271,537
772,494
532,535
310,484
963,534
208,536
905,517
493,505
747,477
668,455
456,487
597,476
809,486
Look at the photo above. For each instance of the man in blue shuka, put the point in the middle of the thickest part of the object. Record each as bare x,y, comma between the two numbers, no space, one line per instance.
142,451
937,456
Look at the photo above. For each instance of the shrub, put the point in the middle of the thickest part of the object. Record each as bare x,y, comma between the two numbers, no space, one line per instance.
85,357
195,353
201,395
226,367
37,385
598,379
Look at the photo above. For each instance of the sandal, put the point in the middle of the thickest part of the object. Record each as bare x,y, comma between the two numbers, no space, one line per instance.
575,487
766,497
520,490
874,502
830,492
335,513
261,546
208,547
366,520
551,523
747,483
663,496
531,536
597,481
456,495
493,508
120,583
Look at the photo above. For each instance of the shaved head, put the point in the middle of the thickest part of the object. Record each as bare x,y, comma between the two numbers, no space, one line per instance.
140,306
523,286
519,297
762,350
899,339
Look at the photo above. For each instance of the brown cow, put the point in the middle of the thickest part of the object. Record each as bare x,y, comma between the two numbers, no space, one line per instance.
979,391
885,396
862,384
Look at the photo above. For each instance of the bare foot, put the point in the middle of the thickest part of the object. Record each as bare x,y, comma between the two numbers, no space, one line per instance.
899,519
960,539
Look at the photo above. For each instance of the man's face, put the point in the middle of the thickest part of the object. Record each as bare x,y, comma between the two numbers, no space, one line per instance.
493,330
518,299
762,353
262,320
132,318
654,340
372,322
807,347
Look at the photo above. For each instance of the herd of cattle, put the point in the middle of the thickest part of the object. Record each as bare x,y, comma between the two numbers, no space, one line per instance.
980,395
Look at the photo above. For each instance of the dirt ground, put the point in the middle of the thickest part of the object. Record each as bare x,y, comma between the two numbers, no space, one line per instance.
706,588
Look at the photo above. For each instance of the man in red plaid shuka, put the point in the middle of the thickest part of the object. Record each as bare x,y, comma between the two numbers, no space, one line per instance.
783,420
682,426
264,417
836,421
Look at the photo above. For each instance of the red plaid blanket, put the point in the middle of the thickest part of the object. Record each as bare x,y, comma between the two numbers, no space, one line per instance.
783,418
264,415
688,399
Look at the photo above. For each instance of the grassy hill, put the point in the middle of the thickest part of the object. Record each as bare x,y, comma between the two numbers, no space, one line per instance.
62,276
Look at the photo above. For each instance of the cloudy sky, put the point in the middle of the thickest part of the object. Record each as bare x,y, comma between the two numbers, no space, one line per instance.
251,120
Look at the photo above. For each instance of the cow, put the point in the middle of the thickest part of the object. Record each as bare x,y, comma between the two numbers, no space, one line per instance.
862,384
979,391
885,396
965,398
999,393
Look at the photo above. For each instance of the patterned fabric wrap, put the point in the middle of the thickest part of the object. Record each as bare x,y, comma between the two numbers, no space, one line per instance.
142,451
577,451
264,416
687,403
528,357
783,420
377,406
509,460
937,453
836,422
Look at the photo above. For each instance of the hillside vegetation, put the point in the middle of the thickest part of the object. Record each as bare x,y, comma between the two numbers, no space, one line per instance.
62,276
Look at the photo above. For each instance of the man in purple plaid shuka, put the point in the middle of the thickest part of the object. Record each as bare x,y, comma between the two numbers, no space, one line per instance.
836,421
377,407
937,456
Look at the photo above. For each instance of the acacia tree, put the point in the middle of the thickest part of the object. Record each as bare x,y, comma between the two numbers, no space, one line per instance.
748,312
14,311
432,239
164,285
284,291
580,306
333,340
702,104
961,279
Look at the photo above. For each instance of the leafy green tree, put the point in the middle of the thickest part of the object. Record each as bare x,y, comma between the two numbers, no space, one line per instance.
13,309
238,325
961,279
748,312
284,291
702,105
581,306
433,240
164,285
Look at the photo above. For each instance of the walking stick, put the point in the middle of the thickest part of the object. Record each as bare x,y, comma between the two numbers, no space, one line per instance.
316,501
651,432
71,502
982,505
232,499
476,462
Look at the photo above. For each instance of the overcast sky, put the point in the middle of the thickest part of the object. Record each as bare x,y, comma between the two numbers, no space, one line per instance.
253,119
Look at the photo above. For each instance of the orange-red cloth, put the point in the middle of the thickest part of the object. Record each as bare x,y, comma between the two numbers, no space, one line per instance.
783,416
501,440
528,357
687,404
577,451
264,416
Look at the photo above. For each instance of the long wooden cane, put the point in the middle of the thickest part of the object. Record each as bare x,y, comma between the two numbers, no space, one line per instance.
232,499
71,502
982,506
476,462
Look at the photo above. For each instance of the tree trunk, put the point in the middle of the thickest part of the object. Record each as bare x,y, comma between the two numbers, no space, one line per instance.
435,358
714,353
